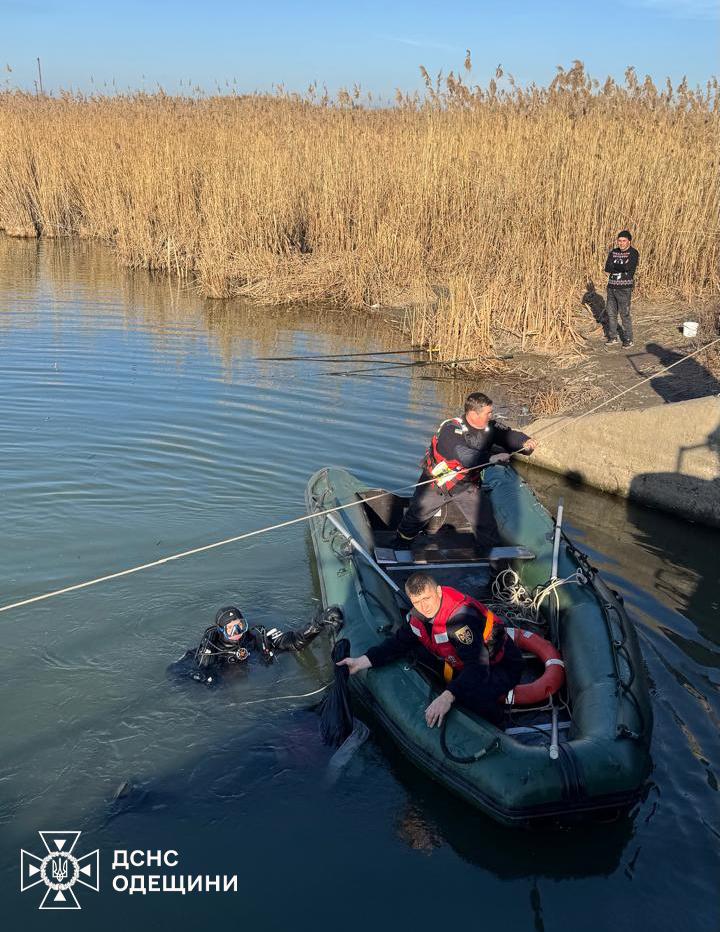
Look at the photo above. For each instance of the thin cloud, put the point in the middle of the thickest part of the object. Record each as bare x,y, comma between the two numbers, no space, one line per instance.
422,43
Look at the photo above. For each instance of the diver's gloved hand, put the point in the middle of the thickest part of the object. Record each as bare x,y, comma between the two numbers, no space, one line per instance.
332,617
299,638
264,643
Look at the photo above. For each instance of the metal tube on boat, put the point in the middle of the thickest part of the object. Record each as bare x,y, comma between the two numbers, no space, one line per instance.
554,750
556,542
363,553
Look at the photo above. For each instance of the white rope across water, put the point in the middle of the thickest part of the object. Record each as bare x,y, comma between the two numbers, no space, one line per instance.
315,692
327,511
220,543
575,418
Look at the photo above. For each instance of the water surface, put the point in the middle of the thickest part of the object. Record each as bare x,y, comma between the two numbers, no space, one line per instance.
138,420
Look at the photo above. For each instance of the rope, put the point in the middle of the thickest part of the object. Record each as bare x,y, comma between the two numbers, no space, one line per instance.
517,604
223,543
602,404
277,698
327,511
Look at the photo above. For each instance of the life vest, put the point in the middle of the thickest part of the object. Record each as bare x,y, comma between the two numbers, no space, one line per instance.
437,640
446,472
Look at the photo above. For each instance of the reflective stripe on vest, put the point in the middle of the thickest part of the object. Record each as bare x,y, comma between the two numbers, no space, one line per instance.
438,641
446,473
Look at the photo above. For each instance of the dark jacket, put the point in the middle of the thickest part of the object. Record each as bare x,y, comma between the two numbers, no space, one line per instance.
620,266
474,446
477,674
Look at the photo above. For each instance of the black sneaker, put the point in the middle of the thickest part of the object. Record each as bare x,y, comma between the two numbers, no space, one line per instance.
628,343
613,342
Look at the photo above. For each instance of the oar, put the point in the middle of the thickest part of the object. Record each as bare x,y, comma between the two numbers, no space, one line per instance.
368,559
321,356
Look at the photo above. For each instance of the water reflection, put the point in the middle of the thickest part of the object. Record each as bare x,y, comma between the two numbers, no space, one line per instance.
48,276
139,420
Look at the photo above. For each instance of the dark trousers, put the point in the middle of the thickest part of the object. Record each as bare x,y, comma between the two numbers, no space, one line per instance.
618,302
468,497
487,698
486,701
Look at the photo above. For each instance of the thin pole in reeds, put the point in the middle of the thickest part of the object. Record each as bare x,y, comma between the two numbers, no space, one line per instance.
40,84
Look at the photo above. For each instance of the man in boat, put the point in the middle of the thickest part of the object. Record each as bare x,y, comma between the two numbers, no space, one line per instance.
458,637
450,470
231,641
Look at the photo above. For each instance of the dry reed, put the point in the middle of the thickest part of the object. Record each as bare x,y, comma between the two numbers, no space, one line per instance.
488,208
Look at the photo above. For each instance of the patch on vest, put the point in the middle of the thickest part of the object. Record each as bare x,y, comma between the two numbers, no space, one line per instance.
464,635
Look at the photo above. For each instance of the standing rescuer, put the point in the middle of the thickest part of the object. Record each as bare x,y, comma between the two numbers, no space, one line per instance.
461,639
620,266
461,443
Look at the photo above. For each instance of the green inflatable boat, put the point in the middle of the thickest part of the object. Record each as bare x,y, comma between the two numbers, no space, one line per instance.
581,751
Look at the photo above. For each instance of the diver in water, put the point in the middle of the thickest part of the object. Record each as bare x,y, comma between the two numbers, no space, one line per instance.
230,640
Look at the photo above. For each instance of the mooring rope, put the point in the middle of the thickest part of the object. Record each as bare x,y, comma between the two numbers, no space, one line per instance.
579,417
319,514
223,543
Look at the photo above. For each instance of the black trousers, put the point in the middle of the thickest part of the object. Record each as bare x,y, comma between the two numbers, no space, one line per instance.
469,498
618,302
485,698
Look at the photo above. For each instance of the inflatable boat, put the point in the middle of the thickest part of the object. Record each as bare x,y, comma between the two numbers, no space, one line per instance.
575,742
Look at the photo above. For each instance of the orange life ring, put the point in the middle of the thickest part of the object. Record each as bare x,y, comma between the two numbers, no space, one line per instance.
551,680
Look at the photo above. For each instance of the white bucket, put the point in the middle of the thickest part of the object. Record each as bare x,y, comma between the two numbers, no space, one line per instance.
690,328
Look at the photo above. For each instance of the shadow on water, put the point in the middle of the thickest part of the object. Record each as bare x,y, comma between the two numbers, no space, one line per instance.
431,818
688,570
97,739
678,487
264,797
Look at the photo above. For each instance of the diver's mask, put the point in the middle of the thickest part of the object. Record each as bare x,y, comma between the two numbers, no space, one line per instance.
231,624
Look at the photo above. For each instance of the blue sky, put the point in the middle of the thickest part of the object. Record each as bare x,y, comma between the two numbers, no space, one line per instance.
380,45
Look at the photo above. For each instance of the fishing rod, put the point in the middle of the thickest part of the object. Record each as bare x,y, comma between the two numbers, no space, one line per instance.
554,428
418,362
322,356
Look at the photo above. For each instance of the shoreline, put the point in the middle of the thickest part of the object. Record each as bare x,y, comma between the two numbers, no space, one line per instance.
665,456
540,381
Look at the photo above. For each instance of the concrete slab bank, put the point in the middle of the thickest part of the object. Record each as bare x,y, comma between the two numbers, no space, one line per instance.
666,456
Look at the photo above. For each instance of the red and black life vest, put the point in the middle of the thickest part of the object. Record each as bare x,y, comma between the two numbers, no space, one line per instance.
437,640
447,472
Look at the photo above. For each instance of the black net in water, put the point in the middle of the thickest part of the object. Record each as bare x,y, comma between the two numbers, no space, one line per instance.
336,718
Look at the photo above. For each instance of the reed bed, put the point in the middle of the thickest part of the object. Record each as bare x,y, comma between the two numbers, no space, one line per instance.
484,208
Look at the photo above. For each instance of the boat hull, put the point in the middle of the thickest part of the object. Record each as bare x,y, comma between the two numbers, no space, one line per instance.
604,760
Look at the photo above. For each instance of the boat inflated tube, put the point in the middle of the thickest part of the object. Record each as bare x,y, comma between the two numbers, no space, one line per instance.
358,548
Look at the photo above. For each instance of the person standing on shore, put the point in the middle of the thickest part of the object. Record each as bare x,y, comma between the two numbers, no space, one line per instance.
620,266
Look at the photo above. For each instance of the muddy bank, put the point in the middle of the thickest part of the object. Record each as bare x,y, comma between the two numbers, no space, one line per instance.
666,456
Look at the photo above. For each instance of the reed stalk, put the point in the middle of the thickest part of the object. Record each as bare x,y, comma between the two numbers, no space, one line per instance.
486,209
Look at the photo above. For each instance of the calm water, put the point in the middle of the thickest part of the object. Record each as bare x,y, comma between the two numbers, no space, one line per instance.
137,420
